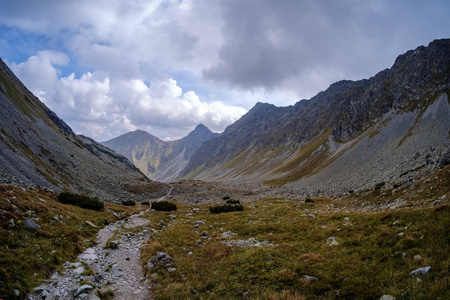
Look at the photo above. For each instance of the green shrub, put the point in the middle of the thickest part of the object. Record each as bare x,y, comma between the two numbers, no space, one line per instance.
226,198
128,203
145,203
309,200
107,295
231,201
81,201
379,185
218,209
164,206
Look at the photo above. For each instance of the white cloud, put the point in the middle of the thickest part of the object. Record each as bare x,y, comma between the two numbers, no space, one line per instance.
103,107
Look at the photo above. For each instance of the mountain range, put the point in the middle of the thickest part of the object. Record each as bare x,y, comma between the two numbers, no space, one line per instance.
388,129
160,160
385,129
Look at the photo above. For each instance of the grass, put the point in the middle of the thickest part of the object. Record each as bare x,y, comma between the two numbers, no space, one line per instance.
367,263
28,256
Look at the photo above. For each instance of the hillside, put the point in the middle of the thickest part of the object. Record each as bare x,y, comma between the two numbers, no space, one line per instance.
389,128
160,160
37,149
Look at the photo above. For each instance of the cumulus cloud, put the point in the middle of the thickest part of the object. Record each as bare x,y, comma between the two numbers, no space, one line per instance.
103,107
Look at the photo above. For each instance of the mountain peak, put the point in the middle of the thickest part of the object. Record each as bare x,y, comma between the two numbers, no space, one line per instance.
200,129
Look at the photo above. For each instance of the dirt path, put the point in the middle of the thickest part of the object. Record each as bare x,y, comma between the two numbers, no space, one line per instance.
117,269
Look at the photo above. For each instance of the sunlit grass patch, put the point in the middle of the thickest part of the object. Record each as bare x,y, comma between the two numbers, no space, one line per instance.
373,256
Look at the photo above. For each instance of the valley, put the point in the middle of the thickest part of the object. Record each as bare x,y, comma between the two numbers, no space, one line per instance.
342,196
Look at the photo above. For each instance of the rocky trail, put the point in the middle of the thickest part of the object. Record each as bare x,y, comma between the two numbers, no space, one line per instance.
116,268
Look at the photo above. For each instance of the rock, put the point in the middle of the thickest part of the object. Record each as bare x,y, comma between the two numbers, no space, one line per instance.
171,270
417,257
196,210
401,234
117,272
41,288
420,272
82,289
198,223
310,278
330,239
346,219
98,278
114,244
162,223
29,223
205,235
116,215
334,243
11,223
311,215
93,297
78,270
172,217
161,259
324,226
55,276
228,234
436,203
90,224
16,293
89,254
387,297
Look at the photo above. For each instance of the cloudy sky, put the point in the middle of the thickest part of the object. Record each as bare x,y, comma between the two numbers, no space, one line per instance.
107,67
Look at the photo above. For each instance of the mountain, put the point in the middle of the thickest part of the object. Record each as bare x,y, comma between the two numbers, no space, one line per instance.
160,160
38,149
389,128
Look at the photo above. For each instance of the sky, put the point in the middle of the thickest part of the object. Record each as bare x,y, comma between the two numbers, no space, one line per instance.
107,67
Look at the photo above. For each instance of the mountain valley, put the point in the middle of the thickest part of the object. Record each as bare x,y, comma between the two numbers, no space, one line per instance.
342,196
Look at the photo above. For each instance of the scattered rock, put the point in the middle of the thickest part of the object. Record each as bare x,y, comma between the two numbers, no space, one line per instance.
387,297
205,235
78,270
436,203
251,242
420,272
29,223
310,278
161,259
89,254
82,289
228,234
417,257
90,224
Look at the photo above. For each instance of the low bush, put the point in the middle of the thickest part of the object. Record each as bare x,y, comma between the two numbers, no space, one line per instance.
145,203
81,201
309,200
226,198
379,185
164,206
218,209
231,201
128,203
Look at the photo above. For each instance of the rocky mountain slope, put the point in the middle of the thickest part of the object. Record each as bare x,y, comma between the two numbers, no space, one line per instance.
38,149
160,160
388,128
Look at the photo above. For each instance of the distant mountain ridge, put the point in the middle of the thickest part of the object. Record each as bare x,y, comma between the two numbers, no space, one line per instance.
404,109
39,149
160,160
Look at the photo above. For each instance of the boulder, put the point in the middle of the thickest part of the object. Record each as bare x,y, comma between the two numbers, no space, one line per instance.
420,272
82,289
29,223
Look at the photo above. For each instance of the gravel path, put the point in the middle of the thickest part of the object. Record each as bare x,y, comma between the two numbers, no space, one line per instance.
117,268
